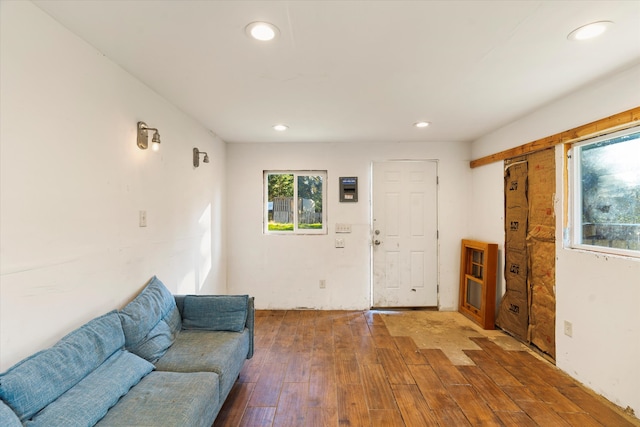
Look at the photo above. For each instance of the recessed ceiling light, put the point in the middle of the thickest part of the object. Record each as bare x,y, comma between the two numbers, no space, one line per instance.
589,31
280,127
421,124
262,31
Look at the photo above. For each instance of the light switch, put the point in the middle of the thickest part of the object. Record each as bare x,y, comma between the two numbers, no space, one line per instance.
143,218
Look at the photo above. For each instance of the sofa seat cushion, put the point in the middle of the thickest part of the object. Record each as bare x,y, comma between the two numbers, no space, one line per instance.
38,380
151,321
168,399
89,400
204,351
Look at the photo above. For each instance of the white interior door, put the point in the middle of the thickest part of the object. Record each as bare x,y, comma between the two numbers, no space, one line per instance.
405,234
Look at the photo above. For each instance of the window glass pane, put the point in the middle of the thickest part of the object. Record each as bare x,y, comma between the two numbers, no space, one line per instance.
280,202
474,293
610,193
294,202
310,202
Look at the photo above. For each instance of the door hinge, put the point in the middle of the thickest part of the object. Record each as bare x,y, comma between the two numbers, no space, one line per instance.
437,180
437,234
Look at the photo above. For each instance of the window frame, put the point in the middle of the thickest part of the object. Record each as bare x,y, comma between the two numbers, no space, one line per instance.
575,195
296,230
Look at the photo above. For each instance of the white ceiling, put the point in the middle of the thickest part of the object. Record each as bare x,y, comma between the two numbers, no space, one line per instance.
345,71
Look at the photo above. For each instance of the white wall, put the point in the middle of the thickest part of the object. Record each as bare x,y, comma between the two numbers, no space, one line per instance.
599,294
73,181
283,272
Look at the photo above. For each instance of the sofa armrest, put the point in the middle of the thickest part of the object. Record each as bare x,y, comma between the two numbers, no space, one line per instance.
251,320
218,312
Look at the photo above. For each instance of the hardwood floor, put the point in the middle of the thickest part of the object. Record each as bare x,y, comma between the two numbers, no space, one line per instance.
335,368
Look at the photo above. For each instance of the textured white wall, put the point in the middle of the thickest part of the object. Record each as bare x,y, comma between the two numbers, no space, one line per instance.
599,295
284,271
73,181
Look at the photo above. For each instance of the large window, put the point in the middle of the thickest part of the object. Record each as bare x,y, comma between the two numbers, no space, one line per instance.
294,202
606,196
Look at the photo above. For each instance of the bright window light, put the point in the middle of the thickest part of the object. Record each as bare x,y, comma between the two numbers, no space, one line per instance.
606,194
294,202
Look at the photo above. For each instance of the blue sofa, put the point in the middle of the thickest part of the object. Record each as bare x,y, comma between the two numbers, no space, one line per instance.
162,360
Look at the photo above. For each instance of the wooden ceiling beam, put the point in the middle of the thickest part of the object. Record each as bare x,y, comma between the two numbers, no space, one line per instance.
620,121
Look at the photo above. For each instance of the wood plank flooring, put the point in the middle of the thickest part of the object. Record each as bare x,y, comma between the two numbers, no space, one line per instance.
338,368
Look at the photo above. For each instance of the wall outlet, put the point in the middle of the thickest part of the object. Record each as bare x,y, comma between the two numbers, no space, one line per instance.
568,329
323,284
340,243
343,228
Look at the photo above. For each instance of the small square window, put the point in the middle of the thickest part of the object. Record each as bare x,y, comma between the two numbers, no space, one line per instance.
294,202
606,194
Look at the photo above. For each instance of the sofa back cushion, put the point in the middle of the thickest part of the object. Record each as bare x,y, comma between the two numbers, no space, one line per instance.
89,400
215,312
151,321
33,383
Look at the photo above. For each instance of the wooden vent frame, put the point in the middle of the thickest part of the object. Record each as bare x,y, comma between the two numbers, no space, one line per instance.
478,270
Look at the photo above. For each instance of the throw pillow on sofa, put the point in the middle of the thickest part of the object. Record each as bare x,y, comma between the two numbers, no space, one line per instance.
89,400
151,321
38,380
215,312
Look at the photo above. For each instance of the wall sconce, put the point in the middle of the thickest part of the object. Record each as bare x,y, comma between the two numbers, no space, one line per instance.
143,137
196,157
